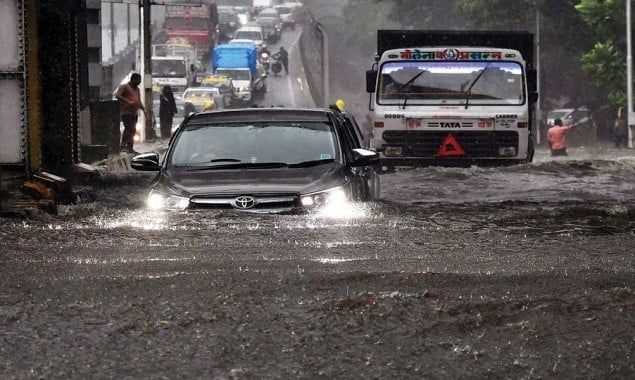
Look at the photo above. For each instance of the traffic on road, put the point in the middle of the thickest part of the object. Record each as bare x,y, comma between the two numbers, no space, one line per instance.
411,228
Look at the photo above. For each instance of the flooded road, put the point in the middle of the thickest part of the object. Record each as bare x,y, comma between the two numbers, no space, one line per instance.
521,272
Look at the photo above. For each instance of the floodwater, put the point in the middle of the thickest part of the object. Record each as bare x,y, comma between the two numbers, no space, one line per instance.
589,191
521,271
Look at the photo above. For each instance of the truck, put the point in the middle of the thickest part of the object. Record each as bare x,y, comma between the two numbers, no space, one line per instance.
452,98
240,63
196,23
176,63
177,46
173,70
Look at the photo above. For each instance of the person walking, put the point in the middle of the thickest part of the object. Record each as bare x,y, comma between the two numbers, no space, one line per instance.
283,56
556,136
167,110
129,98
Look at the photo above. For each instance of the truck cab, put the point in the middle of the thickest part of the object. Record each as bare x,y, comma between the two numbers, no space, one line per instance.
171,70
452,98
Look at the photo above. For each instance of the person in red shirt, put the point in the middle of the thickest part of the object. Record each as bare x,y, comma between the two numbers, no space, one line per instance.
557,137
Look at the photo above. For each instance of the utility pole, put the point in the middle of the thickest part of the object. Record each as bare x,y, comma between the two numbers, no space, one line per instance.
147,68
538,117
629,75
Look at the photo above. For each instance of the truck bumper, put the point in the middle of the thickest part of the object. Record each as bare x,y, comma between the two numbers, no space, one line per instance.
244,96
465,148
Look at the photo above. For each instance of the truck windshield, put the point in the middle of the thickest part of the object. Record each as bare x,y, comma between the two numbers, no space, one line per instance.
191,23
169,68
498,83
235,74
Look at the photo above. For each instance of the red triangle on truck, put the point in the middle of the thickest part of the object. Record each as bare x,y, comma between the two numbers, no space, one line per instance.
450,147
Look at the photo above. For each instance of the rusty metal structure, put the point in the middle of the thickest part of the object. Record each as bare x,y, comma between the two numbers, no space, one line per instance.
44,88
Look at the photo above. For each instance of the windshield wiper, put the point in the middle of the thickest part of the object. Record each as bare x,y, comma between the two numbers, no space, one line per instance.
306,164
408,83
224,160
241,165
468,92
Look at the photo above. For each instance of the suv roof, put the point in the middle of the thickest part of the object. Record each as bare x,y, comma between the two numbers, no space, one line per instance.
260,115
250,28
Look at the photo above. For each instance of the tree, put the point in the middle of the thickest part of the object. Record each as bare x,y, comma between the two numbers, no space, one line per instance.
605,62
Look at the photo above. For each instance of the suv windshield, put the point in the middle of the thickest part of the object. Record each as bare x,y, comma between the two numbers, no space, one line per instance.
289,143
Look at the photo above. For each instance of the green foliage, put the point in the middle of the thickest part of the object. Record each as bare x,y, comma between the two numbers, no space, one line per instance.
607,17
498,14
605,62
364,17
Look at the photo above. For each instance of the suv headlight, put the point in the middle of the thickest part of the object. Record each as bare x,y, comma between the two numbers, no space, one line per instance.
161,201
336,195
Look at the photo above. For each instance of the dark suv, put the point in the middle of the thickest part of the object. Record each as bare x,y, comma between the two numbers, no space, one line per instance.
263,160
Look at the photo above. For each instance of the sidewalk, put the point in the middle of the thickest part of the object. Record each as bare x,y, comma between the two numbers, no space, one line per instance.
120,162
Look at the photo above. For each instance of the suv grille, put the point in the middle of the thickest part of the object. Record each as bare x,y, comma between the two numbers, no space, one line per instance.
242,202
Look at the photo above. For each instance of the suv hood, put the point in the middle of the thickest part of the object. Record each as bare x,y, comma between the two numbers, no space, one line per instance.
251,181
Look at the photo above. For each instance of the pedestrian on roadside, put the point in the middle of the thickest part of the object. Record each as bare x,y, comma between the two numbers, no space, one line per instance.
129,98
620,130
167,110
283,56
556,136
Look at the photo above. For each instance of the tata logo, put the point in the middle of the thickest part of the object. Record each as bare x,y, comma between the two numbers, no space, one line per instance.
393,116
449,125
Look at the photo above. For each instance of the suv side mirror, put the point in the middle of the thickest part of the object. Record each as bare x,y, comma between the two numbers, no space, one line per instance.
146,162
364,157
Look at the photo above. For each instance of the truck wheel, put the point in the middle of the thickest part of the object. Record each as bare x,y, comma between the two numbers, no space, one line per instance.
530,152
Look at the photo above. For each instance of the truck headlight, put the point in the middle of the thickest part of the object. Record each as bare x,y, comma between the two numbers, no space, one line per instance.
507,151
336,195
393,151
161,201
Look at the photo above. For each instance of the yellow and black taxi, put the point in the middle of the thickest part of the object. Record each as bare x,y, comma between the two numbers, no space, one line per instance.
224,85
197,99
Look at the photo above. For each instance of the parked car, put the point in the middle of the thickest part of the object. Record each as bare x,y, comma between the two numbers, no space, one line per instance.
270,160
568,116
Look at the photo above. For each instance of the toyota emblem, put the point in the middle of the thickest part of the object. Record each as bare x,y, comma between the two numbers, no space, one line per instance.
244,202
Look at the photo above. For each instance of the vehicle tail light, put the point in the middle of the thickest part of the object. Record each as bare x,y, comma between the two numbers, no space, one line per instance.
378,124
522,124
